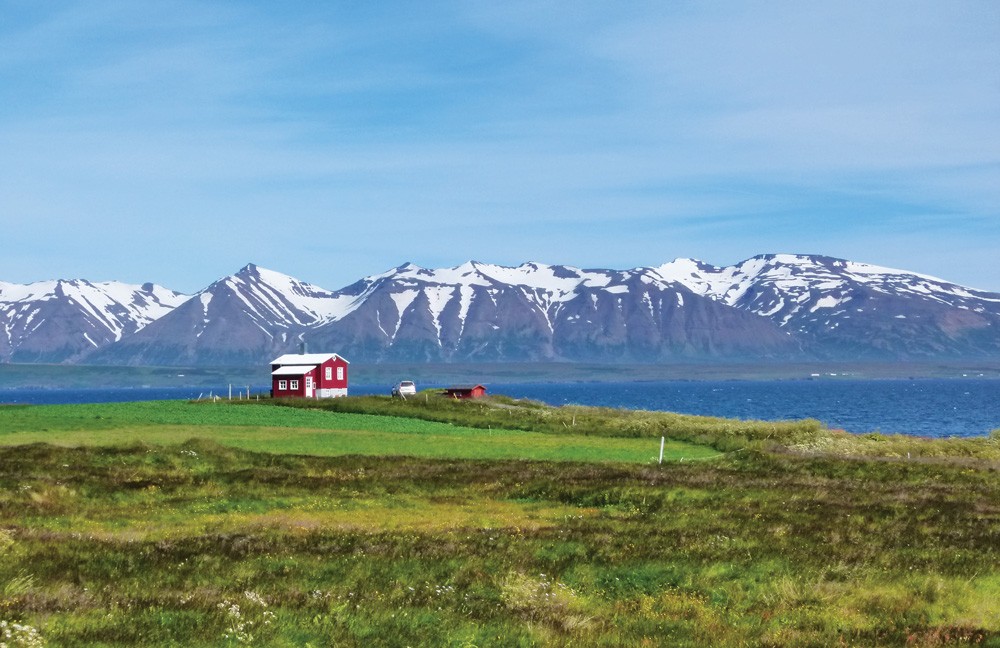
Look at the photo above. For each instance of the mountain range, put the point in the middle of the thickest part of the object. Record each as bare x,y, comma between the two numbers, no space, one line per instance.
779,307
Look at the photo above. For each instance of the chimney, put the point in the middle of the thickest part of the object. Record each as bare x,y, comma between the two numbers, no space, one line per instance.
303,348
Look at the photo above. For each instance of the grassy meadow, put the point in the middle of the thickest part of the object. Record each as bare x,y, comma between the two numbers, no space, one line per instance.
367,521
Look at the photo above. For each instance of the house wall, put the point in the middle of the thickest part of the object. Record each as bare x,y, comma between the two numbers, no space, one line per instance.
475,392
338,375
299,391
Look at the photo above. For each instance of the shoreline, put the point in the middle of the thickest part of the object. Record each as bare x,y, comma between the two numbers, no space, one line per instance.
41,376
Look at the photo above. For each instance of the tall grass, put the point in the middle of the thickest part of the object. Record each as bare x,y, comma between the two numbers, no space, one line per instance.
805,537
204,545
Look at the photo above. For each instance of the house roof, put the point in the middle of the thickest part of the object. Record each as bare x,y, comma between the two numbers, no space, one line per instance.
464,387
306,358
293,370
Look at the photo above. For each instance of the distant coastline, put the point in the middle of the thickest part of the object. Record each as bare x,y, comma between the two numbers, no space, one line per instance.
45,376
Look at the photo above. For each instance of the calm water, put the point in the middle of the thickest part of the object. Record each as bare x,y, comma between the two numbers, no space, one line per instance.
931,407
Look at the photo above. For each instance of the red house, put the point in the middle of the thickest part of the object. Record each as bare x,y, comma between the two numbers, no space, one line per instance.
309,375
465,391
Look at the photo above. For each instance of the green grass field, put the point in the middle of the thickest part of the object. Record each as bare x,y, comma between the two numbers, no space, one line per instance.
177,524
314,432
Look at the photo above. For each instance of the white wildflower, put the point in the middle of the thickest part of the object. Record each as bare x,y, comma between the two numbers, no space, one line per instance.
255,598
19,635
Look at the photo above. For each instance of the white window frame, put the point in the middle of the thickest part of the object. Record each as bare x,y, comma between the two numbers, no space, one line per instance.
282,385
328,373
340,373
293,384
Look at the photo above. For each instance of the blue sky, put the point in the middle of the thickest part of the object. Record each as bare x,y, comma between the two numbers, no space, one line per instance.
175,142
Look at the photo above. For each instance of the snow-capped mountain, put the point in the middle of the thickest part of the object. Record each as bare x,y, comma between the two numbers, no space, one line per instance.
471,312
479,311
767,307
238,319
849,308
58,321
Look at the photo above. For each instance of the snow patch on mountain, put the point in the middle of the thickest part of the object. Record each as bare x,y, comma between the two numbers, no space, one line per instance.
402,299
439,297
828,301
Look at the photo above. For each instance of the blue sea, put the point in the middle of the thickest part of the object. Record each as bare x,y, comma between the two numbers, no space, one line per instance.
922,407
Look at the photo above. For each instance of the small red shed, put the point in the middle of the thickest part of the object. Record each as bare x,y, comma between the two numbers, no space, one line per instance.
309,375
465,391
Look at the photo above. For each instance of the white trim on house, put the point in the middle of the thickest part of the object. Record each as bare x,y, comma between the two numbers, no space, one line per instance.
306,358
294,370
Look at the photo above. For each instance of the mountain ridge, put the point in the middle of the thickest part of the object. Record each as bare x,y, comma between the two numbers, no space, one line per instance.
770,306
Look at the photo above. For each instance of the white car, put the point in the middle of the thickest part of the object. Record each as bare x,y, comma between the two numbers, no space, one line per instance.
404,388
